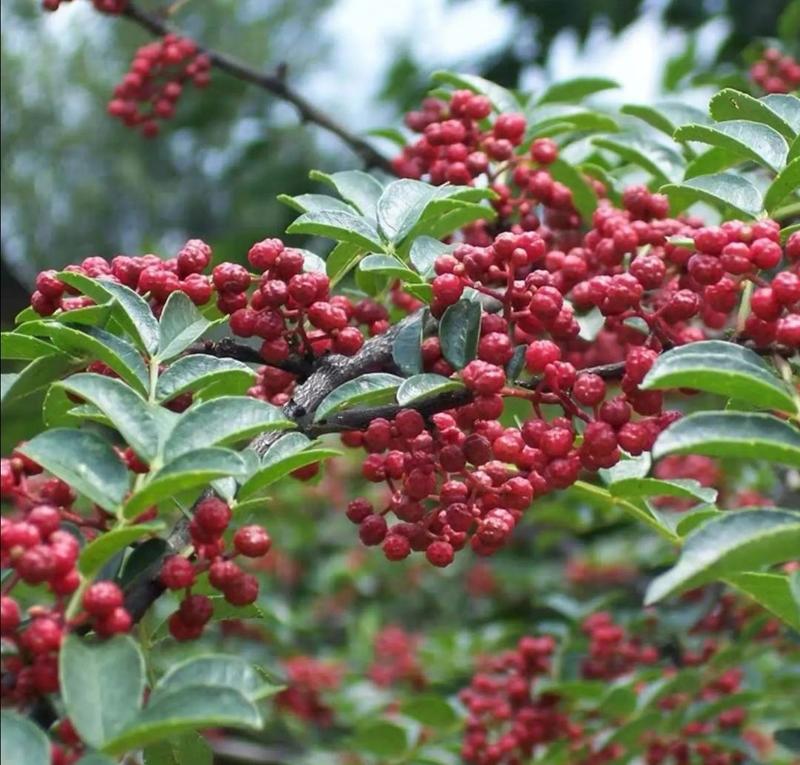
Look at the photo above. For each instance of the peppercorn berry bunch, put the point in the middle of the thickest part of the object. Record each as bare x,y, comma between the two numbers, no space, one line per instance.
153,85
308,679
395,659
207,527
776,72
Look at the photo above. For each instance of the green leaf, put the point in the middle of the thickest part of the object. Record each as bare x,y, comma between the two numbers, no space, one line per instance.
102,685
666,116
125,409
503,100
381,738
786,182
726,369
789,31
199,371
371,388
744,138
459,331
745,435
354,186
188,708
654,487
219,670
189,748
37,375
390,266
18,346
576,89
771,591
662,163
619,701
680,65
180,325
341,260
314,203
730,104
390,134
444,216
719,190
95,758
93,343
142,559
583,197
545,119
277,464
22,741
407,347
714,160
431,710
737,541
787,106
341,226
636,467
590,324
85,461
401,205
134,313
188,471
105,546
222,420
788,738
424,386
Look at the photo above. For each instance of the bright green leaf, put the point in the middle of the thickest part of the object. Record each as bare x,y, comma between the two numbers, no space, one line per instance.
751,140
23,741
423,386
198,371
459,330
576,89
370,388
407,347
771,591
180,325
583,197
105,546
786,182
356,187
341,226
730,104
189,748
719,190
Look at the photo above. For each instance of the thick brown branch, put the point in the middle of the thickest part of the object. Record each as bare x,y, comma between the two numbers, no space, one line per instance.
272,82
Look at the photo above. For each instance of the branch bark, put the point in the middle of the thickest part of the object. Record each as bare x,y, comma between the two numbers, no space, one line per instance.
273,82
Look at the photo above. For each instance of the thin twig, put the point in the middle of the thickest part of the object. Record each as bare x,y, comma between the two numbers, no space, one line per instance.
272,82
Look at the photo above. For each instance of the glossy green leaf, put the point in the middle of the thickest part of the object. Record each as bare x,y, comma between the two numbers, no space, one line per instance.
102,685
188,748
545,118
37,375
401,205
370,388
85,461
583,197
715,160
134,313
222,420
719,190
341,226
142,560
751,140
190,470
180,325
431,710
635,467
95,758
786,182
381,738
125,409
356,187
662,163
666,116
590,324
576,89
424,252
737,541
93,343
745,435
188,708
459,331
787,106
341,260
503,100
426,385
18,346
314,203
220,670
105,546
389,266
655,487
407,347
275,466
619,701
23,742
199,371
730,104
726,369
444,216
771,591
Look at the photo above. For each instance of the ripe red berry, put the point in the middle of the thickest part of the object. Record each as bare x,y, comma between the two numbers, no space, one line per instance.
118,622
101,598
230,277
10,616
252,541
196,610
177,573
396,547
242,591
212,515
372,530
539,354
440,554
544,151
223,573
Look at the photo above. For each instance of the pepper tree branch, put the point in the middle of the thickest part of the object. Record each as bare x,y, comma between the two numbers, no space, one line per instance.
273,82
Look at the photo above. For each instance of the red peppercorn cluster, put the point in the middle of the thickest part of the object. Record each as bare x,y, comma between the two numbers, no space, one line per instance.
585,573
776,72
151,88
40,552
111,7
395,659
308,679
209,523
507,717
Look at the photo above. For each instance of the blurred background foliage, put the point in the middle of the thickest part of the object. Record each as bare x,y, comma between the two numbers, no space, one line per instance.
76,183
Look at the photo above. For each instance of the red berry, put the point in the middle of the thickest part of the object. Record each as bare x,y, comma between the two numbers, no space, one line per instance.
212,515
540,353
243,591
196,610
230,277
177,573
396,547
252,541
118,622
10,616
440,554
101,598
